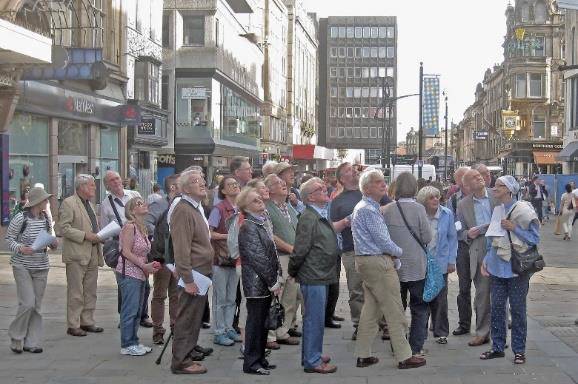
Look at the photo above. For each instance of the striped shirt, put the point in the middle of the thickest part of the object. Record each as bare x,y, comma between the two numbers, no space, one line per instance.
15,241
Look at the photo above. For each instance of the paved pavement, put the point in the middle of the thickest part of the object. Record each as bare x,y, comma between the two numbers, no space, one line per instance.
552,348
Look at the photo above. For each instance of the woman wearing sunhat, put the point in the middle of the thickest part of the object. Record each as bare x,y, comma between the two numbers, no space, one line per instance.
30,270
524,227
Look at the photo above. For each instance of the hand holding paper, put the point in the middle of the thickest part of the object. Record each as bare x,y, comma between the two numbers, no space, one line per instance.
203,282
495,229
43,240
111,230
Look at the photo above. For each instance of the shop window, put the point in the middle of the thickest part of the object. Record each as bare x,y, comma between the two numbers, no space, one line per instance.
147,82
72,138
194,30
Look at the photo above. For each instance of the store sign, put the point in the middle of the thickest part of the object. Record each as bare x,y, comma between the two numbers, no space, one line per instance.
481,135
166,161
550,146
147,127
194,93
79,105
554,130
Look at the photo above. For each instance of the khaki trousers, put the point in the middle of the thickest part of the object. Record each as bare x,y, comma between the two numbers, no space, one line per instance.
163,282
30,287
482,304
81,292
354,286
291,298
382,298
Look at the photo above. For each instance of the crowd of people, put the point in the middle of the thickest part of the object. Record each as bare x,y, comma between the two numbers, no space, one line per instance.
263,242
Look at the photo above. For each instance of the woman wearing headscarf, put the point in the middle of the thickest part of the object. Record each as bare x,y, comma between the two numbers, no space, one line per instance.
524,227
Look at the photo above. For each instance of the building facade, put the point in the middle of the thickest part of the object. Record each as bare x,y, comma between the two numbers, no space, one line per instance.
212,72
358,73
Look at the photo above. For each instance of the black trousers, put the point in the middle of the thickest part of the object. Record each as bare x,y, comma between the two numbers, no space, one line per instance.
439,312
537,204
256,333
145,304
207,313
465,286
419,312
332,296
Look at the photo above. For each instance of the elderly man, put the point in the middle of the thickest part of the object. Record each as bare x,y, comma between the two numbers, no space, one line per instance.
82,255
376,258
474,214
268,168
112,209
485,172
464,298
286,173
314,265
284,219
241,170
192,251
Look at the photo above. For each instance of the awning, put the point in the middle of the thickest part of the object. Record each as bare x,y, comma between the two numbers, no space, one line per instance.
569,153
312,152
545,158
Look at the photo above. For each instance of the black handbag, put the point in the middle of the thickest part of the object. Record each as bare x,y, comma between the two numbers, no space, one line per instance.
526,262
276,315
110,250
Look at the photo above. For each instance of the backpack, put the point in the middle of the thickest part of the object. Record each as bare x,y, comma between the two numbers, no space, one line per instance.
162,245
233,223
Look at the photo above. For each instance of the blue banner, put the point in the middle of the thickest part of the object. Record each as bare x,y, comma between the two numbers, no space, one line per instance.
431,105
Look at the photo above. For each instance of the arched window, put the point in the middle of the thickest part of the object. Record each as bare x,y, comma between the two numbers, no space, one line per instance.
540,12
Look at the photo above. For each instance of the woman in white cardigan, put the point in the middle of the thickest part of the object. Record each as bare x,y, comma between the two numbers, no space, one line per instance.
567,210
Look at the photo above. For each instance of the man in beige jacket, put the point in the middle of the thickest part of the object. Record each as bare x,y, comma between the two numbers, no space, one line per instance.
82,254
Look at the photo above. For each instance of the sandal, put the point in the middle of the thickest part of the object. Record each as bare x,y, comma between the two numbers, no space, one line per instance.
519,358
491,355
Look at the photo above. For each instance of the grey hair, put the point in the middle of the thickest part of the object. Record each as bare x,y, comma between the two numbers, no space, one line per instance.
81,180
426,192
242,200
186,177
307,186
268,168
270,179
478,166
195,168
405,186
368,177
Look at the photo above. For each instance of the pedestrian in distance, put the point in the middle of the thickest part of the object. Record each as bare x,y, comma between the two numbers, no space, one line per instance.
567,210
30,269
523,226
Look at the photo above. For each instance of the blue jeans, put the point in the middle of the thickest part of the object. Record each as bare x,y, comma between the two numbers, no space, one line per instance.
225,282
314,302
132,293
516,290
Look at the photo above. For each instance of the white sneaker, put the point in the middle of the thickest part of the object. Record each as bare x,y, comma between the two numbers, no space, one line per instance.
145,348
133,350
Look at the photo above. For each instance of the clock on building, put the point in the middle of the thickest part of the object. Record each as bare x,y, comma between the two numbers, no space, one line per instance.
510,122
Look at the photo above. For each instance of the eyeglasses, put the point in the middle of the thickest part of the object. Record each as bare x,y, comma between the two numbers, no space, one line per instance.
234,184
201,182
140,203
320,188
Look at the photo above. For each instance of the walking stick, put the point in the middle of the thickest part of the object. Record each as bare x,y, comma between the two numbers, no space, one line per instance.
158,361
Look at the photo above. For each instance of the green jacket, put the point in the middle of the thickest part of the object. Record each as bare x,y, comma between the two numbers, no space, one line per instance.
281,228
316,252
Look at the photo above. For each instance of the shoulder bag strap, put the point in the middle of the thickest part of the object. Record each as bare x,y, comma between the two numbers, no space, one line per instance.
508,218
409,228
113,205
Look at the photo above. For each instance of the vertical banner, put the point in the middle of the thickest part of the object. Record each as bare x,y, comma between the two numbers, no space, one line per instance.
431,105
4,172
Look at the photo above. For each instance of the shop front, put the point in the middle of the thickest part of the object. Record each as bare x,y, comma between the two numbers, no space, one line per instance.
58,133
523,158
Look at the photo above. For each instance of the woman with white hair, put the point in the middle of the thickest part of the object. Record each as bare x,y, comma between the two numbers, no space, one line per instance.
444,247
524,231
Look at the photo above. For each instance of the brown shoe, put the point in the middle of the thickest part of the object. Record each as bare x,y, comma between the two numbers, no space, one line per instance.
322,368
325,359
91,328
412,362
272,345
158,339
363,362
193,369
289,341
478,340
76,332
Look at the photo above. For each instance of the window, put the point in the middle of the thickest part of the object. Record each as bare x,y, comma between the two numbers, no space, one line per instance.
146,82
389,72
365,92
373,91
358,52
356,112
350,32
539,126
373,72
538,47
382,32
341,111
521,85
573,101
374,52
349,91
350,72
366,32
382,72
333,91
365,112
372,112
166,25
374,32
341,72
390,52
342,32
165,92
365,72
342,92
358,32
349,112
333,112
358,72
536,85
350,52
357,92
334,32
365,52
390,32
334,52
193,30
342,51
540,13
382,52
333,72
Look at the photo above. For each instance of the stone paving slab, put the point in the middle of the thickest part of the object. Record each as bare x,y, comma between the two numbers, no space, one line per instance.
95,359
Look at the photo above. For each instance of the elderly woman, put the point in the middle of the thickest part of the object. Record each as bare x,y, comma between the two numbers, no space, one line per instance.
261,276
30,269
411,235
523,225
444,247
567,210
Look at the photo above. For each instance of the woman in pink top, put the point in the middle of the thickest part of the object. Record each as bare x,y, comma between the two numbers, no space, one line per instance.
131,273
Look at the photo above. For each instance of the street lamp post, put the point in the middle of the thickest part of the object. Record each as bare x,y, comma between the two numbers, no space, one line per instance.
420,132
446,140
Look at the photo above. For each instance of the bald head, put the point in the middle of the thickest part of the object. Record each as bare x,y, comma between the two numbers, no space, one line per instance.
459,176
474,181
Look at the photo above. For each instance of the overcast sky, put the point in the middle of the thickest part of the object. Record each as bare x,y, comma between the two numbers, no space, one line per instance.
456,39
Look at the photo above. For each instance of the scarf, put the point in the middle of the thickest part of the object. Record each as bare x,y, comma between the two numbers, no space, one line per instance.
522,215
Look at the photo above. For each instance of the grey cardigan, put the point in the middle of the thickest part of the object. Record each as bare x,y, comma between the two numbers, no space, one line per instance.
413,259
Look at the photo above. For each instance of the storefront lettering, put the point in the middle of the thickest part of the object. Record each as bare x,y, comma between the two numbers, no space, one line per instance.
147,127
167,160
80,105
547,146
